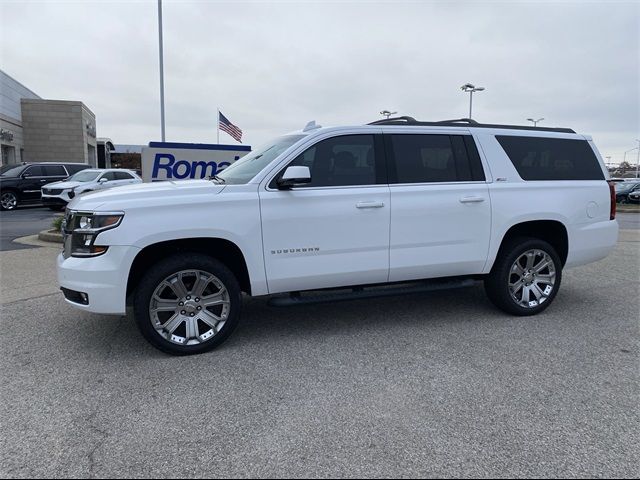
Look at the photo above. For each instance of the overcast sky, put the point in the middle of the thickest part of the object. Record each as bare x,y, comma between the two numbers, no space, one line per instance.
273,66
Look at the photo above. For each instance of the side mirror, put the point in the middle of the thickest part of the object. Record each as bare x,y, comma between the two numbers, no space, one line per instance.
293,176
103,180
26,175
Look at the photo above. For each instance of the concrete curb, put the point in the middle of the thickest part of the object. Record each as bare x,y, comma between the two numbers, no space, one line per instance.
627,209
50,236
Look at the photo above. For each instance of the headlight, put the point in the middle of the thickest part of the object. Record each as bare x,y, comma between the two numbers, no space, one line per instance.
81,229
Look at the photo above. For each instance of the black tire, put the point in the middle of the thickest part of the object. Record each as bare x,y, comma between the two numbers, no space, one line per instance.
171,265
496,284
623,200
8,200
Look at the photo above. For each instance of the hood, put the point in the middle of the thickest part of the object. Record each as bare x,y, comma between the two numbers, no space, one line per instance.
154,194
64,184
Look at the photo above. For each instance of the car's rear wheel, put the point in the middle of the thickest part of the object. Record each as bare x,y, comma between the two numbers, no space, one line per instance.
8,201
188,303
525,277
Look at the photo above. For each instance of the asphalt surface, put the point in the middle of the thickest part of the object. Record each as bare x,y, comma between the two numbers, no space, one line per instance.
22,222
436,385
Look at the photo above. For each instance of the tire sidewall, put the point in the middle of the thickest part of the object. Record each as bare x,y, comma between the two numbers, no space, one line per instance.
15,195
169,266
497,284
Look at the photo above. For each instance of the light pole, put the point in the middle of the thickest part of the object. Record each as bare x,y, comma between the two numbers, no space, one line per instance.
535,122
161,69
387,113
638,161
468,87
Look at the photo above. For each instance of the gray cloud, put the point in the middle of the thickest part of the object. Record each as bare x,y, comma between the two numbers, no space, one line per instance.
271,67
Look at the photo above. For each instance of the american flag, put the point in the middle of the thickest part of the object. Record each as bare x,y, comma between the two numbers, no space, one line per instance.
226,126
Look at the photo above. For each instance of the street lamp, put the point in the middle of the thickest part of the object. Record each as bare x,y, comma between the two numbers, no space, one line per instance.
468,87
638,161
161,69
387,113
535,122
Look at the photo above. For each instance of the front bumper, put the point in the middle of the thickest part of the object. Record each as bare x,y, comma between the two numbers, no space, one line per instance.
49,200
103,279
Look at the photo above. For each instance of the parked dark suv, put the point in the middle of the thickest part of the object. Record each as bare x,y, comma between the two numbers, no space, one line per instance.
21,183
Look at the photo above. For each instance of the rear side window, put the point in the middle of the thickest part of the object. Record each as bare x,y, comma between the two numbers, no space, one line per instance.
539,158
428,158
54,171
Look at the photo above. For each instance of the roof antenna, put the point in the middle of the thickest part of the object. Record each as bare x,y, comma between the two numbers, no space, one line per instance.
311,126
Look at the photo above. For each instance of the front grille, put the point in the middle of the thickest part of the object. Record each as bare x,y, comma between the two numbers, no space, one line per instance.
52,191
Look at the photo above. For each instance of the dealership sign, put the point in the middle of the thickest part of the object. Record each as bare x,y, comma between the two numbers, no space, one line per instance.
183,161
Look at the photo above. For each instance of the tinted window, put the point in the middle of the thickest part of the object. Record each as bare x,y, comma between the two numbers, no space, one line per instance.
434,158
340,161
539,158
123,176
109,176
35,171
54,171
76,168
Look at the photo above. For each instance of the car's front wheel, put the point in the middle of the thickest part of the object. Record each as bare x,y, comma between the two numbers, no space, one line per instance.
8,201
188,303
525,277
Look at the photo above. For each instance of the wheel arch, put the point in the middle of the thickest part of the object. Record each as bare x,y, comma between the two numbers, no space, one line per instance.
221,249
553,232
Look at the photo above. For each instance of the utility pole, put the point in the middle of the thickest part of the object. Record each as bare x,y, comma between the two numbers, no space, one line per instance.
638,161
161,70
535,122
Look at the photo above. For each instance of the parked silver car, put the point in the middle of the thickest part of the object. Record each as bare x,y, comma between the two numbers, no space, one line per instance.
57,195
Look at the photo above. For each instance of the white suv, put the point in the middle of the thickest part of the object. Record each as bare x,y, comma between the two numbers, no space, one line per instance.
57,195
417,205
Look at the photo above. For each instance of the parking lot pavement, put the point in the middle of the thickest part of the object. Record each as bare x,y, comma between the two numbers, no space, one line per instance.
22,222
437,384
628,221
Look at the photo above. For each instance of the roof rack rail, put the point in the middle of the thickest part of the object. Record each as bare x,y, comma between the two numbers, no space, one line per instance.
408,120
405,120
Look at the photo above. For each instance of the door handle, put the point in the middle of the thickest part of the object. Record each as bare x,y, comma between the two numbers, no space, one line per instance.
369,204
471,199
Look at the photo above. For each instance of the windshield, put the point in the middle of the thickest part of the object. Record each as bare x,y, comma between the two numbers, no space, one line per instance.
11,170
625,186
84,176
251,164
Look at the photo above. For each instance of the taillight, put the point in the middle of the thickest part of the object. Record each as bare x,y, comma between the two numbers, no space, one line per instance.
612,194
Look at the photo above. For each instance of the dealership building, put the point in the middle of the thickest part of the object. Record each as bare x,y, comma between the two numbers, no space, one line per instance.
33,129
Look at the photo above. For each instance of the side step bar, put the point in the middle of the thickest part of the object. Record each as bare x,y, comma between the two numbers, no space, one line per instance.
355,293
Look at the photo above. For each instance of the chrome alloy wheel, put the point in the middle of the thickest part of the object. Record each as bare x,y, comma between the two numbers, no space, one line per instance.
9,201
532,278
189,307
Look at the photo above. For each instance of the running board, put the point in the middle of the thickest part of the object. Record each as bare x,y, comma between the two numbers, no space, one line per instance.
356,293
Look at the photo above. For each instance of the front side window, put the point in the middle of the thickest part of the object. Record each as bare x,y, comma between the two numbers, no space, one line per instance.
123,176
109,176
428,158
339,161
85,176
34,171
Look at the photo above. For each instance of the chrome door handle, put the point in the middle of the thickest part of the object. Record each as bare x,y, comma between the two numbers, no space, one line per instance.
471,199
369,204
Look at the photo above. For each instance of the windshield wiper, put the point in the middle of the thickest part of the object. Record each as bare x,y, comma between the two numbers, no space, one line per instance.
217,178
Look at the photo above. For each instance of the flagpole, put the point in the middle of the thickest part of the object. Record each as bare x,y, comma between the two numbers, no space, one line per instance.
218,125
161,69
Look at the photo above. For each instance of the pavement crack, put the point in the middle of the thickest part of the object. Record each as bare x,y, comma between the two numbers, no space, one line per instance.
99,444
